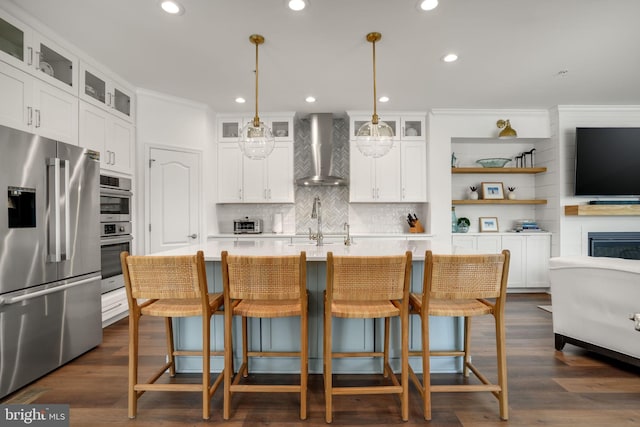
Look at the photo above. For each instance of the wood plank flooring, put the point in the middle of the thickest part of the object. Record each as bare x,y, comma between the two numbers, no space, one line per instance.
546,387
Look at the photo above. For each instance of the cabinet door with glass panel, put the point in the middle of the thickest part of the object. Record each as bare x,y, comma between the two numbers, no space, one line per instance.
413,128
103,91
356,122
30,51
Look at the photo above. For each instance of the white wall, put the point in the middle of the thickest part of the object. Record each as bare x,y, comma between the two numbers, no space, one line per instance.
571,236
165,121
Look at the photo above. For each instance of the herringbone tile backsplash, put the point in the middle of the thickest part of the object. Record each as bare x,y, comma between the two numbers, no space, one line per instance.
336,210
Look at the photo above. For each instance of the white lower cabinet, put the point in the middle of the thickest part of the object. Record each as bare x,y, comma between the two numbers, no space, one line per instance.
529,255
244,180
113,137
32,105
114,306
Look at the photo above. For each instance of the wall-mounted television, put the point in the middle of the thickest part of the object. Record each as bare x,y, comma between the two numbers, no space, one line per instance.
607,162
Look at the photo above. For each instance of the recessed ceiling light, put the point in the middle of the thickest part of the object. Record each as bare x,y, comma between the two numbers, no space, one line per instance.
297,5
451,57
428,4
172,7
240,100
383,99
310,99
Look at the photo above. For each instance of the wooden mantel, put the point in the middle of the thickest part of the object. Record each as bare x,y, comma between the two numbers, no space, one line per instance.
602,210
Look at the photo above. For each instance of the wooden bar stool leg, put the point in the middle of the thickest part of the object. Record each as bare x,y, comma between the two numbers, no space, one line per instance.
245,347
304,364
426,366
385,358
134,318
206,361
467,346
328,362
168,326
404,376
502,367
228,361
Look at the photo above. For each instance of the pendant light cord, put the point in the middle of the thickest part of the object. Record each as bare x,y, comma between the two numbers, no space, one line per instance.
373,38
257,40
256,119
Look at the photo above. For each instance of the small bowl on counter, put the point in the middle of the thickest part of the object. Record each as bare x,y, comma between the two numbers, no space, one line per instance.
496,162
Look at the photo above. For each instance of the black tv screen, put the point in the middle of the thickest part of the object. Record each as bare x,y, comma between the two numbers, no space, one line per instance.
607,162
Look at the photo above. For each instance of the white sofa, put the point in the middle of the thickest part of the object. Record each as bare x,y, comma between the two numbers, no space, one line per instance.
592,301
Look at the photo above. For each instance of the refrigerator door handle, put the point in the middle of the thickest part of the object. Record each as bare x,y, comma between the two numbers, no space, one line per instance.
25,297
58,205
65,214
53,178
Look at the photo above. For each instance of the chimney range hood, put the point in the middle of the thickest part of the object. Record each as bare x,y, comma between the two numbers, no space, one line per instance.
321,129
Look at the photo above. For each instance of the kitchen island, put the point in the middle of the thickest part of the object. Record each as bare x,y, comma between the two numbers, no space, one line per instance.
348,334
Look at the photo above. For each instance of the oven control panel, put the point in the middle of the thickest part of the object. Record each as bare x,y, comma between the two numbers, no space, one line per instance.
115,228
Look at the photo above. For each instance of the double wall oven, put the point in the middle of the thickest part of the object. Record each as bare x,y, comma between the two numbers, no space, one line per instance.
115,228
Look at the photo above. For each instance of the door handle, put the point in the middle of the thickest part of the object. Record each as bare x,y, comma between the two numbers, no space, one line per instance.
193,236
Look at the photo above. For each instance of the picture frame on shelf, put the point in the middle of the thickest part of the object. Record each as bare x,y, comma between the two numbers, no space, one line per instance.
492,191
488,224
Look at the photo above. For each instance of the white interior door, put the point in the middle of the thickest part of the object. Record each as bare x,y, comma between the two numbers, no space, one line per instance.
174,199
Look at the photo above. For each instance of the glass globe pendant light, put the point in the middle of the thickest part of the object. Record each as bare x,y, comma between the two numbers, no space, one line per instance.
374,138
256,139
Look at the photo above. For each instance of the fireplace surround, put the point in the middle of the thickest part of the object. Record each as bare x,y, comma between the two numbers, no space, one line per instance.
614,244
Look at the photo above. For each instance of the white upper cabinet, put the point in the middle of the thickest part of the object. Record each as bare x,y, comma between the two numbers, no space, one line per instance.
374,180
26,49
244,180
398,176
229,127
414,171
113,137
412,128
105,92
32,105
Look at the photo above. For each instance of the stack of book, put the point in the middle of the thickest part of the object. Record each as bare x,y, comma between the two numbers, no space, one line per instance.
526,225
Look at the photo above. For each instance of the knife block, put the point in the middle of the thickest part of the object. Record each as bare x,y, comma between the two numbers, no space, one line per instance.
417,227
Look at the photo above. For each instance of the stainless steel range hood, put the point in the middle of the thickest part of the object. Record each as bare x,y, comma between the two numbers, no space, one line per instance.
321,152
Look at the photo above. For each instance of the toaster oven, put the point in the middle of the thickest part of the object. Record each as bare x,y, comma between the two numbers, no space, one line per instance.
247,225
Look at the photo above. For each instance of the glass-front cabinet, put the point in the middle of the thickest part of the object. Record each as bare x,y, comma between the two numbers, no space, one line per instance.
100,90
26,49
229,127
359,120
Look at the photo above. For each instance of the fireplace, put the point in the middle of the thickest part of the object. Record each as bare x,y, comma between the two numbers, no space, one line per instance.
614,244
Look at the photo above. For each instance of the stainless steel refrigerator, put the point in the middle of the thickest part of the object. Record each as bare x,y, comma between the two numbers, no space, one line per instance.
49,256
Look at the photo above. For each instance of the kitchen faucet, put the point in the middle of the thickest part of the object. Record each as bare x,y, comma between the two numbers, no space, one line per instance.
317,213
347,239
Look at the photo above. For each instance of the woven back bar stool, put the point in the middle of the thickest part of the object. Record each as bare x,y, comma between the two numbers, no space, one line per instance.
169,286
368,287
264,287
458,286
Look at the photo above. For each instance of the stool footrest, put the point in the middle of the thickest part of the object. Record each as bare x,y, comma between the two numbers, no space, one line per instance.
390,389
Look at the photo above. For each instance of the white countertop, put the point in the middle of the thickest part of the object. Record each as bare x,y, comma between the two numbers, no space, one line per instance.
213,249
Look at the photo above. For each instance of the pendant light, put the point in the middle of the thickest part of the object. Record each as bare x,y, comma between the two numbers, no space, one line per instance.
256,139
374,138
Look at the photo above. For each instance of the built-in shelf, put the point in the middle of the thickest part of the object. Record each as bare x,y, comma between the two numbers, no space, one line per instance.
499,202
498,170
602,210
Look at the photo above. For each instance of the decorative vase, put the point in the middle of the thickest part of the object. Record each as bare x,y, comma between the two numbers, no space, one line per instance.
463,228
512,195
473,195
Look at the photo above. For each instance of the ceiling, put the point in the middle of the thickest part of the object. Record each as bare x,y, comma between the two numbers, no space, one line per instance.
513,53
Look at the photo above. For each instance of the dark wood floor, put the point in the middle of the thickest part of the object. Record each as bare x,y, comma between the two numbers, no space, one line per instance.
548,388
